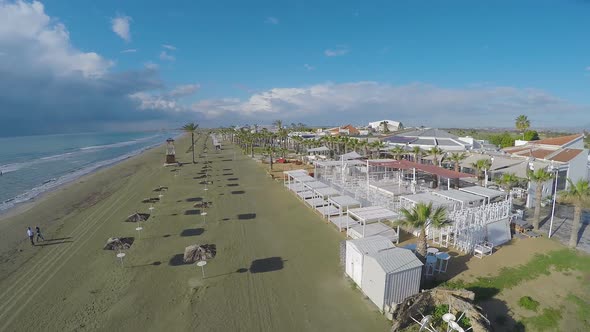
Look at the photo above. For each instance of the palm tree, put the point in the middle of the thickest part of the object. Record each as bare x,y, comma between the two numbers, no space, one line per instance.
456,158
508,181
480,166
422,216
385,126
269,151
538,177
191,128
436,152
418,153
378,145
578,194
354,144
398,151
278,124
522,123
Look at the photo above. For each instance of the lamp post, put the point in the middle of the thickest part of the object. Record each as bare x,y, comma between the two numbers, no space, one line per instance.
556,169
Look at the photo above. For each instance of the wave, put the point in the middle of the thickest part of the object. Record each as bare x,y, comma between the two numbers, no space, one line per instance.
118,144
72,176
7,168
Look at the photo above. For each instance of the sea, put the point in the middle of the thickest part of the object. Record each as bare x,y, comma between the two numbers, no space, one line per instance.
33,165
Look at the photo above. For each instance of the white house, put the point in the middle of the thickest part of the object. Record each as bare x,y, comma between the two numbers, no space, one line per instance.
391,125
356,250
390,276
564,155
426,139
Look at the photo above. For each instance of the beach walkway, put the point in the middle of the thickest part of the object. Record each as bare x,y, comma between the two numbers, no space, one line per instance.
276,267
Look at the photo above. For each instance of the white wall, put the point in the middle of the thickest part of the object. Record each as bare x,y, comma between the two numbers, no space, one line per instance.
402,285
354,264
578,167
374,282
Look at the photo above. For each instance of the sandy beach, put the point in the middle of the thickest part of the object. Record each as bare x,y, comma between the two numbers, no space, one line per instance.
276,267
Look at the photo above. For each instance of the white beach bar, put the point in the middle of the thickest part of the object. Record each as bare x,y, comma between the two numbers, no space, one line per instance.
488,193
466,199
408,201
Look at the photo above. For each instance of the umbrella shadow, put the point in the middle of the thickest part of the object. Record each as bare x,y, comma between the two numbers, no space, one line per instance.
267,265
177,260
192,232
246,216
43,244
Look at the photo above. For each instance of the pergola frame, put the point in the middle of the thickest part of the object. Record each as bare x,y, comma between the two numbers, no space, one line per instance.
372,214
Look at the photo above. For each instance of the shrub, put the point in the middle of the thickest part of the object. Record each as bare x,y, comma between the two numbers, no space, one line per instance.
528,303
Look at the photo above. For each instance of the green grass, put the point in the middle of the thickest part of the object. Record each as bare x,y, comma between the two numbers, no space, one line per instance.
528,303
583,311
560,260
548,320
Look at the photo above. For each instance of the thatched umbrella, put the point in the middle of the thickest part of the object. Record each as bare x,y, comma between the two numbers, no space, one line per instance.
116,243
195,252
137,217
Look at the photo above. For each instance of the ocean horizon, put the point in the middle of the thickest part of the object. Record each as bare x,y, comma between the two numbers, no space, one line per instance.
33,165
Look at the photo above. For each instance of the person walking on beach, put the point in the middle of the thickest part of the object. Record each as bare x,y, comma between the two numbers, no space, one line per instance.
30,234
39,235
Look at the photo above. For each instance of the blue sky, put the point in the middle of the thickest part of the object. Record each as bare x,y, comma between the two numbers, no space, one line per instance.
435,63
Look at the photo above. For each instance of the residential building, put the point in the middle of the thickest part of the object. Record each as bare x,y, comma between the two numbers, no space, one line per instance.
391,125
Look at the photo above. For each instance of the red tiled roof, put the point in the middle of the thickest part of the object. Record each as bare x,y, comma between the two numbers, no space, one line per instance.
516,149
558,141
536,153
405,164
566,155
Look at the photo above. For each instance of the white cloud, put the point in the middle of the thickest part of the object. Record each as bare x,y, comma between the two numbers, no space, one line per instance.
43,43
120,26
130,50
272,20
150,65
166,100
415,104
166,57
308,67
184,90
336,52
170,47
149,101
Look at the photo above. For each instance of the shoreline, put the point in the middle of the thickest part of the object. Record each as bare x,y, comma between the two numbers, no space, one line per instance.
26,205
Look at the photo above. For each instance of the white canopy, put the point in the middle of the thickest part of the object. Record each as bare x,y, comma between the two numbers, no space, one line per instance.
459,196
350,155
484,192
337,163
327,192
362,231
315,184
296,173
305,178
320,149
427,198
372,214
343,201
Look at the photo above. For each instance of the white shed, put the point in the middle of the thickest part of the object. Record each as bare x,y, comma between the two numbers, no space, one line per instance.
390,276
356,251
